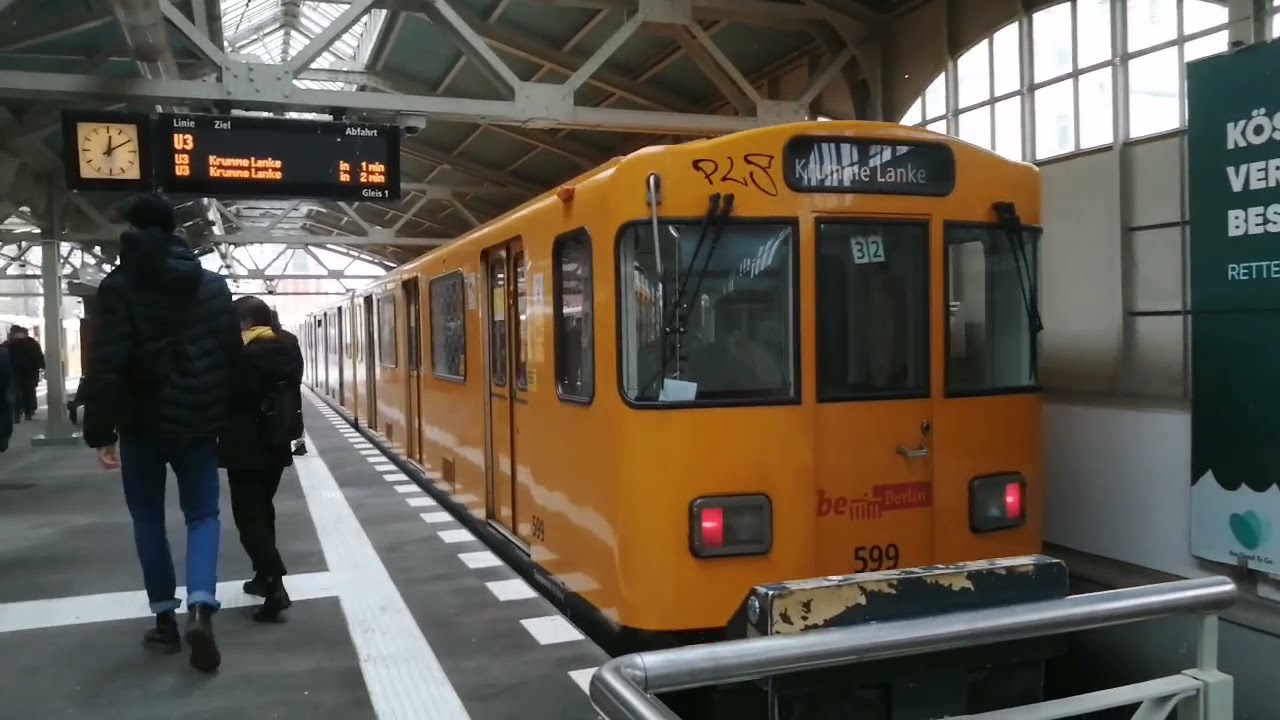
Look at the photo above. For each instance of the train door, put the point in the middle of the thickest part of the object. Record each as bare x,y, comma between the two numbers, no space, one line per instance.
370,366
874,414
506,379
988,407
413,374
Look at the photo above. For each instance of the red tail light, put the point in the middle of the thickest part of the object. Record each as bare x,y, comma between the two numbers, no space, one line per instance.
711,520
1013,500
730,525
997,502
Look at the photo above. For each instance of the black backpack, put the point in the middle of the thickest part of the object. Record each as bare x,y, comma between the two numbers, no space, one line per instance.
281,407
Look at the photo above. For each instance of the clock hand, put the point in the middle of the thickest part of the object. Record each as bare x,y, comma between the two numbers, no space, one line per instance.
110,149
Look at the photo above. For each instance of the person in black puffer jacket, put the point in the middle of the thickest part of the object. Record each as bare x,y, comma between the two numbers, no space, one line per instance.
257,445
166,341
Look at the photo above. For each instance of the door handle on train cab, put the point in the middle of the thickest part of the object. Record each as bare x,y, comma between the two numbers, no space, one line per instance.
907,452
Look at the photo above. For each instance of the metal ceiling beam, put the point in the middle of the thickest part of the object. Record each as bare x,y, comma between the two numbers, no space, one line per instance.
192,33
327,37
762,12
485,60
253,86
521,45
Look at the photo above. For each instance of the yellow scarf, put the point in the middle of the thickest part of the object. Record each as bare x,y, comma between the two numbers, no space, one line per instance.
257,332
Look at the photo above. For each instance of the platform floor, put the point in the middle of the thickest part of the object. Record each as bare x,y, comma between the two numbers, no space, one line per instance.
399,612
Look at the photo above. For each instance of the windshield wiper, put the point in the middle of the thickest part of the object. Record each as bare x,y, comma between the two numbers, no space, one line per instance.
1011,224
676,316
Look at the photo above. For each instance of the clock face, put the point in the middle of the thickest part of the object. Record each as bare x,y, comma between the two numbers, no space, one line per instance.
108,151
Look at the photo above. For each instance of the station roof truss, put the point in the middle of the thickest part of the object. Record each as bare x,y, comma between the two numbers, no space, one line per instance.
510,97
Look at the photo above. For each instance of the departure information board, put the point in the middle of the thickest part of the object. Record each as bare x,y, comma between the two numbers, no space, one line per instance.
239,156
231,156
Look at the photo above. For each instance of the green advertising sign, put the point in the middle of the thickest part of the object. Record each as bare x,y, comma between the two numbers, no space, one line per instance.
1233,153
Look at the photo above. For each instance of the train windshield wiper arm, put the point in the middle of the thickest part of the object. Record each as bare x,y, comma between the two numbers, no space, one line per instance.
674,320
1011,224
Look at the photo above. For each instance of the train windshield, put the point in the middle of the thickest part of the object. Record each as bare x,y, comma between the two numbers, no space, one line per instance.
992,316
732,338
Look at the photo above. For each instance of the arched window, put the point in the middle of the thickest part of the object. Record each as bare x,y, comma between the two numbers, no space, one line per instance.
1064,83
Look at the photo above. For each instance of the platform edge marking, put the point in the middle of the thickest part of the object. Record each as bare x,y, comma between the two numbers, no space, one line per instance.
402,674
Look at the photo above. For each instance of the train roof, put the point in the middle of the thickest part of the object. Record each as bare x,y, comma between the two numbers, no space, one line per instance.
869,129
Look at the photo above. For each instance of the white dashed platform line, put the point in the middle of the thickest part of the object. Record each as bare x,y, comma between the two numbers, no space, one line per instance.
435,518
129,605
583,677
456,536
423,501
551,630
477,560
402,674
383,467
395,477
507,590
370,451
406,489
361,444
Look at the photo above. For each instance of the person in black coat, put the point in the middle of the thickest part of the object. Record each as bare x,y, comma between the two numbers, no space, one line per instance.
257,446
6,399
165,345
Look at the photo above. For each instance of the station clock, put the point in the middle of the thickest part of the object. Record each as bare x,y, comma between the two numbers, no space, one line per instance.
108,151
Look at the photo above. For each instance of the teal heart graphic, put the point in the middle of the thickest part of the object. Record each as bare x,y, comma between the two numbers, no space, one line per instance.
1249,529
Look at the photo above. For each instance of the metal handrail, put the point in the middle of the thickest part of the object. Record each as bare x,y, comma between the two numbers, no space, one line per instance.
623,688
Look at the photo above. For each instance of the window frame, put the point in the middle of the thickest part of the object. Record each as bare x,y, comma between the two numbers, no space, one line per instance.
431,304
1030,389
927,224
378,300
797,298
557,340
491,315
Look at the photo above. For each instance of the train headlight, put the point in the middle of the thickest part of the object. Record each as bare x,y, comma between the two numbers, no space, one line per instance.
730,525
997,502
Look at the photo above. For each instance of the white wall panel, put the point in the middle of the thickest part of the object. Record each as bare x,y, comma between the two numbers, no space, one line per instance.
1081,276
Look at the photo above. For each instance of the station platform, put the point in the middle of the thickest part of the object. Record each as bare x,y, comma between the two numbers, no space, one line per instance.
398,611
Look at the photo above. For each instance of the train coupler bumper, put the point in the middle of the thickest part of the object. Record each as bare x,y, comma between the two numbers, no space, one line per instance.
967,680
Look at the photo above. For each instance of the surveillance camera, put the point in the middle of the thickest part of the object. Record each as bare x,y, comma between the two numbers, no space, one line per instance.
412,124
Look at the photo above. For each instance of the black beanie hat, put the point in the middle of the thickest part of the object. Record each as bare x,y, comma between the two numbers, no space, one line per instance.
150,211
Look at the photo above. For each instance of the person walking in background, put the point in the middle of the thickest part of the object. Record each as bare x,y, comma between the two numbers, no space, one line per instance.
166,341
6,399
299,442
27,359
255,446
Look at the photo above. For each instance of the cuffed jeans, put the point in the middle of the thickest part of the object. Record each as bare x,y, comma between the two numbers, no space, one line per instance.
144,466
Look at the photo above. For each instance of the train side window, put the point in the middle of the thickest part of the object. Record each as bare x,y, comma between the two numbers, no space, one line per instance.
448,327
387,330
990,281
575,344
522,319
873,310
498,319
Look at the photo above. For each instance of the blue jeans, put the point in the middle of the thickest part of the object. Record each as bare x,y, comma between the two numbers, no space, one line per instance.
143,469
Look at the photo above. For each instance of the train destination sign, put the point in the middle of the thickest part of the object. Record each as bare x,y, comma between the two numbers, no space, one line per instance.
246,156
239,156
848,165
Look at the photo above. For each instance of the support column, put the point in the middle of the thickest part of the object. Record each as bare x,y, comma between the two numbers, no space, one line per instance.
58,429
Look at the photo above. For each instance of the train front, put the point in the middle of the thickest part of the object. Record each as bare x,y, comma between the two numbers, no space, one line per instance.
827,343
